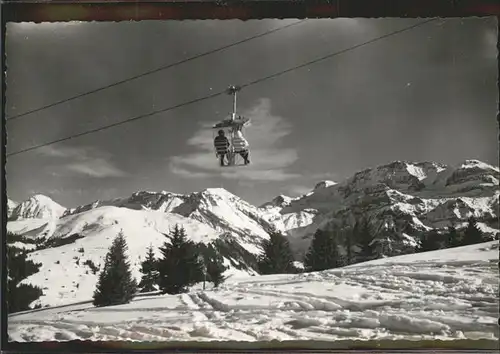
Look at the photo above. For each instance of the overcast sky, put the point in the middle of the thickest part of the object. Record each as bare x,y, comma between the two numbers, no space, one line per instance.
426,94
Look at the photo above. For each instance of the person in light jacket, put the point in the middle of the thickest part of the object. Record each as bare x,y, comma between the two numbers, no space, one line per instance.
221,146
241,146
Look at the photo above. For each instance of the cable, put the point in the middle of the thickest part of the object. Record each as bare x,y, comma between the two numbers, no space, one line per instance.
336,53
118,123
161,68
219,93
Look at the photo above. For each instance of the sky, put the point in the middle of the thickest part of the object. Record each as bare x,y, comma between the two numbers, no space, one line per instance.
427,94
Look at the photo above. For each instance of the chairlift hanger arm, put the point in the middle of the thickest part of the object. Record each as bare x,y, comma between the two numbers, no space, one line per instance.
231,90
233,121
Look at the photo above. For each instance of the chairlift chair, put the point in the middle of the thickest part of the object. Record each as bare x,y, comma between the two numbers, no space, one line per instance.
230,125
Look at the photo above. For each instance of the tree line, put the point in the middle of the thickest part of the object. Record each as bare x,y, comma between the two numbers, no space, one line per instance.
20,267
470,235
342,246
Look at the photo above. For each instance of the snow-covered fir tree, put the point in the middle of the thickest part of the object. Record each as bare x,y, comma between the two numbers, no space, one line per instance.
277,257
472,233
115,284
179,266
215,270
149,269
323,252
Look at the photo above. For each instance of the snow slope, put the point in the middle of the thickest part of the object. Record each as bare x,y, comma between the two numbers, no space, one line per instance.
82,235
65,277
31,227
446,294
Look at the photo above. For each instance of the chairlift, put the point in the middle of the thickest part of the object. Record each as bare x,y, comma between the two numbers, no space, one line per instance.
230,126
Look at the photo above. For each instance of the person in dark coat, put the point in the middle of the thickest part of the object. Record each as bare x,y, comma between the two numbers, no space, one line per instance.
221,144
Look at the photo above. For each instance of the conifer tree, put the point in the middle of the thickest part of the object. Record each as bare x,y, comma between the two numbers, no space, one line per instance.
149,270
348,245
115,284
277,256
472,233
323,252
430,242
215,269
453,238
180,266
19,267
365,241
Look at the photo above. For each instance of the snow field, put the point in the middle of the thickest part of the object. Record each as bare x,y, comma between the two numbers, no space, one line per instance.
65,278
447,294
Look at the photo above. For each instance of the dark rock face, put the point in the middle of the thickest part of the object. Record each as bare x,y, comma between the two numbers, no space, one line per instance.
414,198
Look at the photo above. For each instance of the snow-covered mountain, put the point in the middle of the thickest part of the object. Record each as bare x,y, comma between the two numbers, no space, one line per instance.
11,205
402,199
81,237
38,207
214,207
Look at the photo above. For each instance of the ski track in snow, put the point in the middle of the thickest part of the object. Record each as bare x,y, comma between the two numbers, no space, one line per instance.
447,294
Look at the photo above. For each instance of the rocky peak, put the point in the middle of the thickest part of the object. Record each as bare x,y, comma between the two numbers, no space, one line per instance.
474,171
279,201
38,206
11,205
324,184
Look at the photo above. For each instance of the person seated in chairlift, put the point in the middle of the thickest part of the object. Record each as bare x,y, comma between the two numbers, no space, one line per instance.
221,144
240,145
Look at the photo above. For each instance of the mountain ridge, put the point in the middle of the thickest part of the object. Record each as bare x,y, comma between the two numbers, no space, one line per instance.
416,197
403,200
135,197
